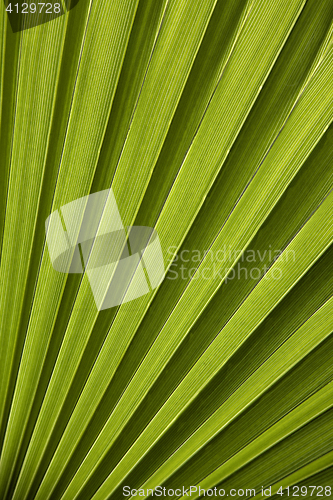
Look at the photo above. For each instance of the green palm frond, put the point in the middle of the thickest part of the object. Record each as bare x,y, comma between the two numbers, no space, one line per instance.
212,123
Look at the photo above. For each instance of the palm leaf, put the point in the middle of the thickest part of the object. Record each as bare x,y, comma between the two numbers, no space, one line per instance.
212,122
